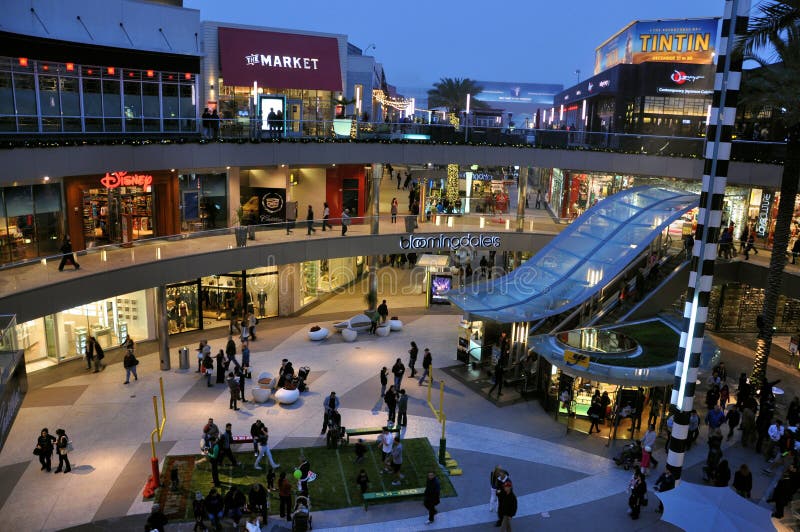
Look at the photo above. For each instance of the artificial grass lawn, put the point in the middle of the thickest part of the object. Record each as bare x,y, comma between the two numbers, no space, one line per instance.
659,344
334,487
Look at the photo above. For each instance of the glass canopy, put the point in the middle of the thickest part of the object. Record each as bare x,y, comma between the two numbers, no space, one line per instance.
581,260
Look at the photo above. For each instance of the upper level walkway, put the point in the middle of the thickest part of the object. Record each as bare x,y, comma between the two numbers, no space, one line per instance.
754,163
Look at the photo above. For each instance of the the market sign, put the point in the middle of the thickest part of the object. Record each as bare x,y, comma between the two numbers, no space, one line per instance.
279,60
456,241
123,179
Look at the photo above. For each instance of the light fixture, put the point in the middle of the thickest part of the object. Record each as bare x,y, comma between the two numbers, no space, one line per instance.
150,73
227,168
187,76
46,178
110,71
23,61
70,67
171,169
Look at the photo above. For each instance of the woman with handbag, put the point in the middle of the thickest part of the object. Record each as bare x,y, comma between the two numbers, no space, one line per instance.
62,447
129,363
638,493
44,449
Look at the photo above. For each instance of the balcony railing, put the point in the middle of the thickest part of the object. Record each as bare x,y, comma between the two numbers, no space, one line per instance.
350,130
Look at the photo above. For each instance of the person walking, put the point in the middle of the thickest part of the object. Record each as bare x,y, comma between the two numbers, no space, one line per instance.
638,492
385,441
427,361
751,245
230,351
44,449
733,417
594,416
208,368
494,487
285,496
263,448
397,462
255,432
383,311
62,449
345,221
398,370
412,358
225,442
99,354
384,380
214,458
508,507
330,404
499,369
743,481
326,215
233,388
431,496
390,398
220,363
394,210
239,374
649,440
129,363
402,409
89,354
252,321
795,249
363,481
67,257
310,221
246,359
539,199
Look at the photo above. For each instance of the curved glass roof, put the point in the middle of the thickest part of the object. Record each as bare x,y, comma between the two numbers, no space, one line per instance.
582,259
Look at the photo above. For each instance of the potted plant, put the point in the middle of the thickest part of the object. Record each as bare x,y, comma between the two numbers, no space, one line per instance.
239,230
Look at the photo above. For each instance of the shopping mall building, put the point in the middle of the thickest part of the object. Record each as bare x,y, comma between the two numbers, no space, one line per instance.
112,105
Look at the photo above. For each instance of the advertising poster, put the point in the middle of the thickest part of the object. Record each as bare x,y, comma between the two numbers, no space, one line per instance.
440,285
269,203
688,41
272,110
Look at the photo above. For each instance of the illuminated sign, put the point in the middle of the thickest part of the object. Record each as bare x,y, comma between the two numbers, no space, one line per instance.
763,214
449,241
680,77
124,179
575,359
689,41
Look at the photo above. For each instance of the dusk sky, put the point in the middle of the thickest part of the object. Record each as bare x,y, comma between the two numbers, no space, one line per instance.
419,42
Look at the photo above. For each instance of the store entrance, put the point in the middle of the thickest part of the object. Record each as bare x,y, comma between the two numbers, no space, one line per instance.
113,216
294,117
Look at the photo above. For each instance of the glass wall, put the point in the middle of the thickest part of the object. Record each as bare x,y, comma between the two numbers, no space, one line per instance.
204,201
31,221
48,97
183,307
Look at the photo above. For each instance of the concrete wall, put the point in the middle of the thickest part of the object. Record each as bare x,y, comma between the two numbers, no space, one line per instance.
30,165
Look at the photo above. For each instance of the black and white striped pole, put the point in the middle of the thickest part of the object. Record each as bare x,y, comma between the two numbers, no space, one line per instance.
715,175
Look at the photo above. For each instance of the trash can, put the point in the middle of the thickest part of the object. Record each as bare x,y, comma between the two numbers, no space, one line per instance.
183,357
411,223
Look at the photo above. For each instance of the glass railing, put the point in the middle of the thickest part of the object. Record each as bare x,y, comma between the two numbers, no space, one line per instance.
350,130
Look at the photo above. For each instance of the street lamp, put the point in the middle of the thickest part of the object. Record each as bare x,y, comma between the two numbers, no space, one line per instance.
578,74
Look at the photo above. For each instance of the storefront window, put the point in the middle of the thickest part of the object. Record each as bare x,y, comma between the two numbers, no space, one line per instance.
171,106
122,214
204,201
47,206
183,307
133,106
262,287
309,279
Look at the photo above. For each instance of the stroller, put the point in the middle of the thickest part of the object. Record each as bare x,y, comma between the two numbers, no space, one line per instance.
631,453
301,517
302,375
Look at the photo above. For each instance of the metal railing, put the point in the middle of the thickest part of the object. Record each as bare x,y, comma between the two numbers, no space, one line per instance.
352,130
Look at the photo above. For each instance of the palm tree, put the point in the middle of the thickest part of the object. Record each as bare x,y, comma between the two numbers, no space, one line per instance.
776,85
451,93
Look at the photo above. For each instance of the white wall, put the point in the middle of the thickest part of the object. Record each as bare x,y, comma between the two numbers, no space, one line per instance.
310,190
142,20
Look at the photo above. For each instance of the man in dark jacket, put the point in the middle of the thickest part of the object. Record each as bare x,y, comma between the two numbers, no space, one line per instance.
383,311
431,496
230,351
499,368
66,255
507,507
99,355
234,503
233,388
156,520
225,441
784,490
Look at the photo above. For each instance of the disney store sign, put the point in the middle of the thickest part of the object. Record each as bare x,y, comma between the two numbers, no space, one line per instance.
124,179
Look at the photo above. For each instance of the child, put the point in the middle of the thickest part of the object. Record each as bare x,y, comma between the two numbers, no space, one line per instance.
270,479
361,450
362,480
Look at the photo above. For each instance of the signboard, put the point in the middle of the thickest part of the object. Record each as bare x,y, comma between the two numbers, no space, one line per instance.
440,285
279,60
668,79
575,359
270,204
449,241
272,111
526,93
762,224
688,41
124,179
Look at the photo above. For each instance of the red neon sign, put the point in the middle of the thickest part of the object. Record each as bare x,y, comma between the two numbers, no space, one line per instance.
124,179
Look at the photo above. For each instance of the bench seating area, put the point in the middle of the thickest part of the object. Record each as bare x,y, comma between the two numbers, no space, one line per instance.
383,496
367,431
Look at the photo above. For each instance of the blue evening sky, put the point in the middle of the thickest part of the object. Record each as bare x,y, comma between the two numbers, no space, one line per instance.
419,42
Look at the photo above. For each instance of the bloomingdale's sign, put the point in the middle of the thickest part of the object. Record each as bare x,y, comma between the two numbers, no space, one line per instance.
449,241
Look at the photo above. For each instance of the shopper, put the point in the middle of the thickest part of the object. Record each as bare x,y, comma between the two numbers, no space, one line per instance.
664,483
649,440
99,354
225,442
402,409
412,358
363,481
215,507
129,363
390,398
427,361
398,370
733,417
394,209
246,358
638,493
256,429
230,351
330,404
67,257
200,356
385,442
397,462
233,388
326,215
310,221
384,380
62,449
743,481
214,459
784,491
345,221
208,368
89,354
508,507
235,502
431,496
44,449
264,449
156,520
499,370
239,374
252,321
494,486
285,496
383,311
219,360
594,417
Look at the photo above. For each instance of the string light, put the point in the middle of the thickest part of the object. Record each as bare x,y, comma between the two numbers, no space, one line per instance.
395,102
452,183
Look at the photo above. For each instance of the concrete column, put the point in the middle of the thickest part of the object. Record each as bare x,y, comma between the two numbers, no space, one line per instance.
234,194
374,198
522,192
162,327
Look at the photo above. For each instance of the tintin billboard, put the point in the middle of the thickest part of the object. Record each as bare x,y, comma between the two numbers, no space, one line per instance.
689,41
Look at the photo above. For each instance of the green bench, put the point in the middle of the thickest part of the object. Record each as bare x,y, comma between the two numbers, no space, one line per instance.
382,496
368,430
